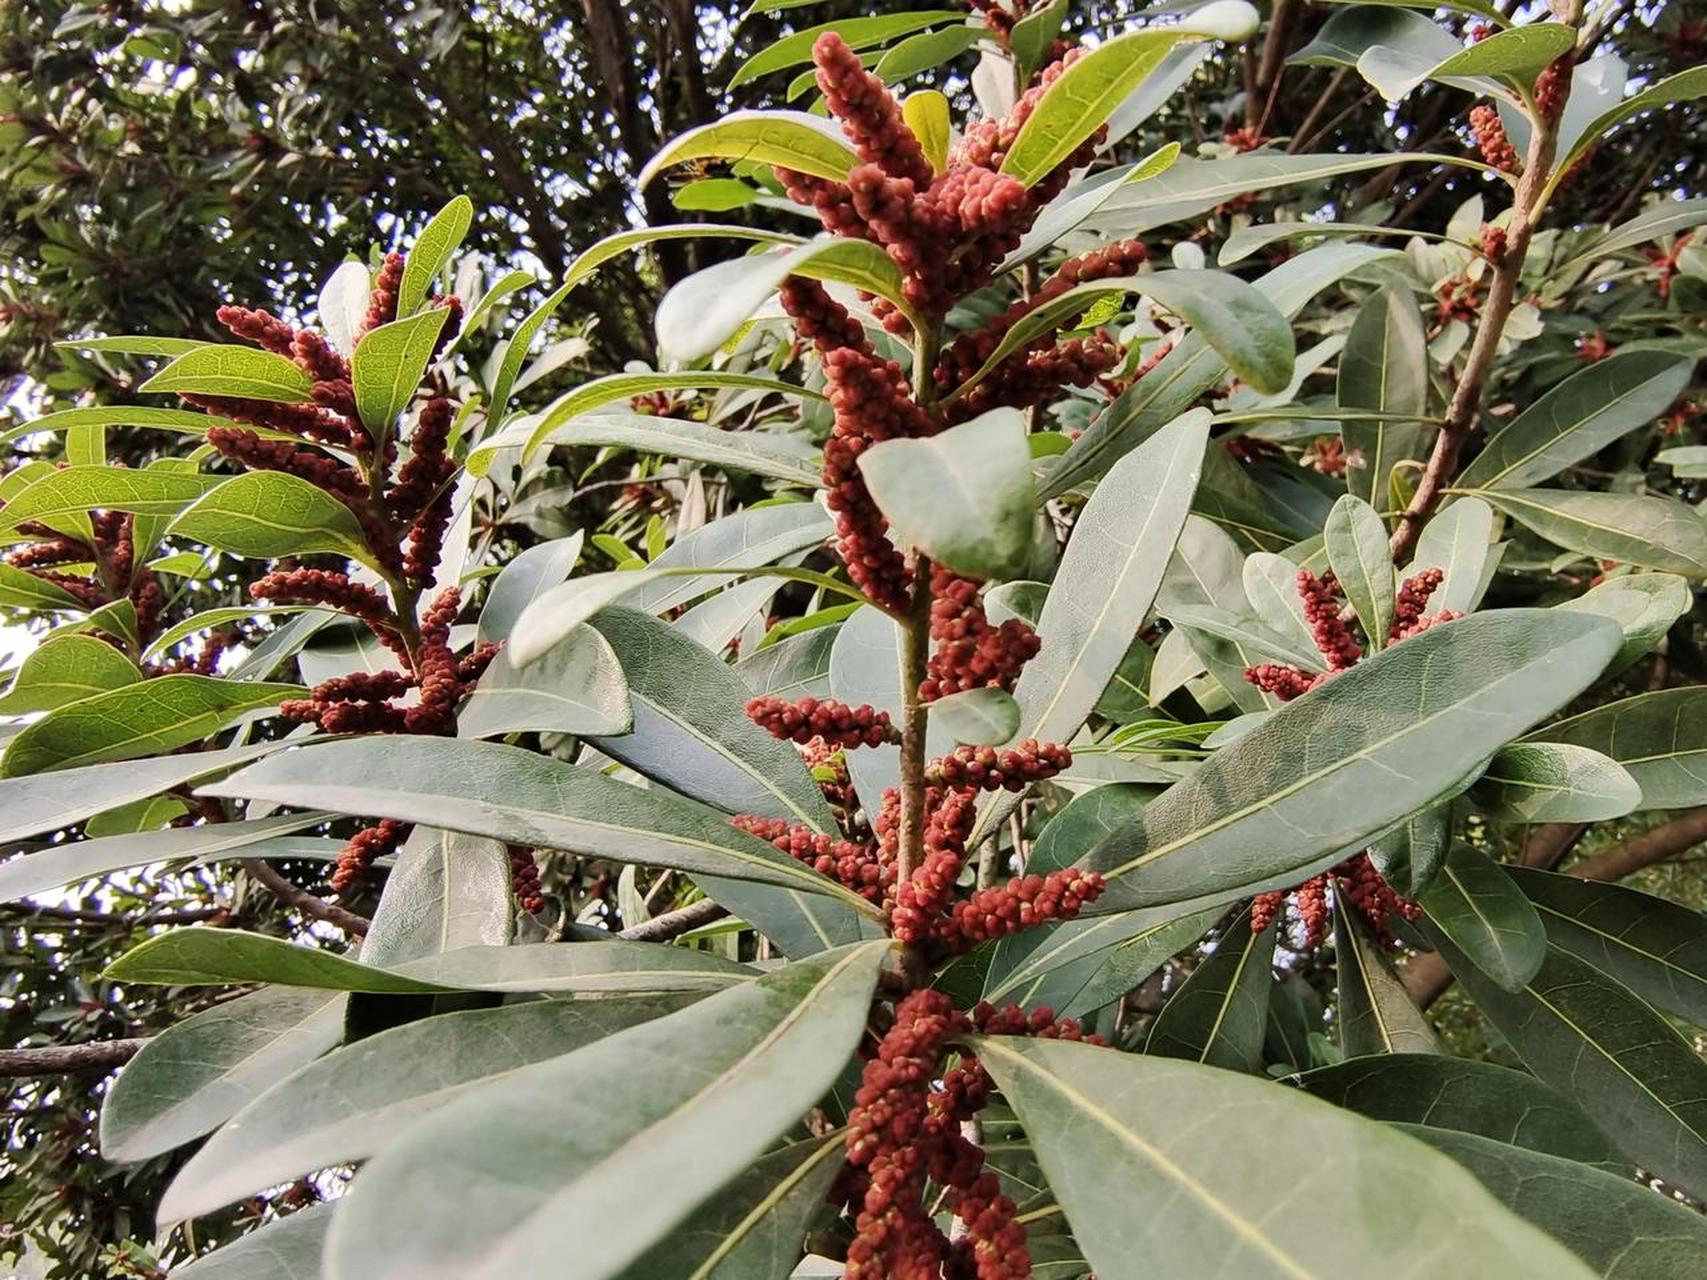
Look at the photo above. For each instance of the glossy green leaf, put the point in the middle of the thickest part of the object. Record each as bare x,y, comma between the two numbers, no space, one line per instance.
577,687
78,490
1409,856
432,249
23,590
388,365
521,797
1218,1015
1325,773
761,453
858,33
1458,542
1474,902
132,345
922,52
1113,1129
244,372
63,670
792,139
927,114
979,717
212,619
197,1074
142,719
1662,219
519,343
1682,87
613,246
963,497
1356,543
191,422
355,1101
1660,738
557,1150
446,891
1644,604
1384,369
1375,1014
1556,782
264,515
205,956
1578,418
287,1248
713,195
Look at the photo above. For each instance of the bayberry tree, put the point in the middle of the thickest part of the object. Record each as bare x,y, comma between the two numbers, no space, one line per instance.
975,920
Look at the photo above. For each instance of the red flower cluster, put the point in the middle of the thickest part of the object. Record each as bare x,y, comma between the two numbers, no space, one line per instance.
114,574
1490,137
993,769
1331,632
905,1130
1553,86
834,722
970,651
857,866
1363,888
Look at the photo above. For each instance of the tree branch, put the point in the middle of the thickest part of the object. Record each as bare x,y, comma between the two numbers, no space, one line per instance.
672,924
303,901
58,1059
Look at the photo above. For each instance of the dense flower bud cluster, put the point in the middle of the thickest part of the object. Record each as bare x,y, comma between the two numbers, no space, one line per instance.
858,866
1323,603
382,298
113,575
1553,86
1023,902
1491,140
364,848
835,722
970,652
995,769
1361,887
524,880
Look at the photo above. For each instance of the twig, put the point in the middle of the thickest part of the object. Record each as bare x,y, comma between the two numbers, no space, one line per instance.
59,1059
305,902
672,924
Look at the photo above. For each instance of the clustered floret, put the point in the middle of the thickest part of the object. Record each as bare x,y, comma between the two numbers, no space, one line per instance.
970,652
1491,139
833,722
113,575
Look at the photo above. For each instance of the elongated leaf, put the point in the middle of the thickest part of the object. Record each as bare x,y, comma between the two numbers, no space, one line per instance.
963,497
927,111
137,720
1110,1129
1596,1041
981,717
194,1076
182,421
1644,604
1660,738
789,138
352,1103
216,370
78,490
22,590
186,957
1356,543
577,687
622,242
343,302
63,864
1328,771
132,345
520,797
1620,1228
760,453
1474,902
1661,220
432,249
1384,368
1656,948
1555,782
560,1147
858,33
1348,32
65,669
518,345
264,515
522,581
590,969
1682,87
1219,1014
446,891
209,620
1578,418
1111,973
1376,1014
388,364
1463,1096
1458,542
283,1249
1409,856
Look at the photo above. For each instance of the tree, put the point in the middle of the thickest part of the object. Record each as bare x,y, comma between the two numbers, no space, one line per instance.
1035,617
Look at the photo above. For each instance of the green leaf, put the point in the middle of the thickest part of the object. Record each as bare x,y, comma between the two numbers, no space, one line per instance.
1348,32
62,864
63,670
446,891
1619,1227
197,1074
1458,542
519,343
1644,604
979,717
286,1248
1656,948
577,687
791,139
1218,1015
133,345
263,515
388,365
352,1103
1082,99
142,719
1661,220
209,620
432,249
1356,543
1509,58
1660,738
522,581
78,490
20,589
1376,1014
963,497
1463,1096
1682,87
713,195
1687,461
183,421
556,1151
926,113
760,453
1475,904
244,372
202,956
622,242
1325,773
1596,1041
521,797
1578,418
1113,1129
1384,369
1409,856
1555,782
858,33
922,52
1032,37
1253,639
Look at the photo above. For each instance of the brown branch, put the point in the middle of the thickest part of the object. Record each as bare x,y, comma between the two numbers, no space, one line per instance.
672,924
59,1059
315,907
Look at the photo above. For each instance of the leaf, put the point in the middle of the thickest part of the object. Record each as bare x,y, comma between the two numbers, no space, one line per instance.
577,687
857,33
446,891
343,302
1375,1014
1661,220
1348,32
132,345
1460,1095
212,619
1458,542
922,52
64,669
713,195
1252,638
20,589
1644,604
794,666
182,421
556,1151
1554,782
78,490
1656,948
521,797
432,249
1619,1227
1593,1039
519,343
223,370
1660,738
1111,973
195,1075
760,453
622,242
355,1101
284,1249
263,515
1218,1015
388,365
1326,772
522,581
62,864
1682,87
205,955
926,112
963,497
1578,418
979,717
1356,543
142,719
1113,1129
791,139
1475,904
1084,96
1384,368
1409,856
1508,58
